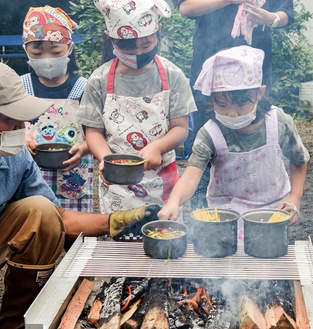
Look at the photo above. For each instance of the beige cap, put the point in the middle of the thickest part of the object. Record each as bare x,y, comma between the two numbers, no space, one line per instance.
15,102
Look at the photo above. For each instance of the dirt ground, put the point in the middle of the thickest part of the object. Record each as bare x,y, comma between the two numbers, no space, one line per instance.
304,227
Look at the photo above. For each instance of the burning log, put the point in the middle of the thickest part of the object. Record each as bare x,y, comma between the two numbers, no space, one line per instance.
135,294
251,316
277,318
153,310
110,316
157,306
76,305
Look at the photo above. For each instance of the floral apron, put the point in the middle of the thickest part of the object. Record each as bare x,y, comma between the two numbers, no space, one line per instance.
59,124
242,181
130,124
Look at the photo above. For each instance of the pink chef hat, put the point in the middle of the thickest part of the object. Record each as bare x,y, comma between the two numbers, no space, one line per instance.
47,23
236,68
128,19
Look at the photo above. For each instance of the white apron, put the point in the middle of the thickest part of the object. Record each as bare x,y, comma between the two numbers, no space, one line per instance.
59,124
130,124
242,181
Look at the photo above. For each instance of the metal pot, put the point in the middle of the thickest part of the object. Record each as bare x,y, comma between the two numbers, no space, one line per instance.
164,248
216,239
52,155
123,174
263,239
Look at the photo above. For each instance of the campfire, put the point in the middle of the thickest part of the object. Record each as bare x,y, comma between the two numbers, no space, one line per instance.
108,285
133,303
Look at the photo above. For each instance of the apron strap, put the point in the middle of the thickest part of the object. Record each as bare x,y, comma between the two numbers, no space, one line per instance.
110,86
162,73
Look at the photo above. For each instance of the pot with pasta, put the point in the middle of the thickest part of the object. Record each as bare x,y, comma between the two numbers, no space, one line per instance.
266,232
214,232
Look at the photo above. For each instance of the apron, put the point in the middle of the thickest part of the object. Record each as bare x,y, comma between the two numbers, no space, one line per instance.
242,181
59,124
130,124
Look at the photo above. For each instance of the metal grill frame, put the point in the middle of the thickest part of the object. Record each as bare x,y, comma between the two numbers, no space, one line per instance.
91,258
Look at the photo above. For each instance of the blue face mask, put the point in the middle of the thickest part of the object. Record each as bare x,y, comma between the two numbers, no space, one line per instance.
136,61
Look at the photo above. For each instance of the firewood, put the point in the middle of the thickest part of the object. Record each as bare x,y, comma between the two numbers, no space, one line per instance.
155,318
277,318
302,320
251,316
133,308
157,306
131,324
76,305
110,316
94,313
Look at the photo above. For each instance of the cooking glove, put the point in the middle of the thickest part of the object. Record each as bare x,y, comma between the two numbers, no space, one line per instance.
131,221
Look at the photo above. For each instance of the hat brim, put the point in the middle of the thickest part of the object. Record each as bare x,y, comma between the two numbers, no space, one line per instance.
25,109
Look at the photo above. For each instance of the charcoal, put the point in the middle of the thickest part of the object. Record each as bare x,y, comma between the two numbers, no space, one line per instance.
112,299
138,288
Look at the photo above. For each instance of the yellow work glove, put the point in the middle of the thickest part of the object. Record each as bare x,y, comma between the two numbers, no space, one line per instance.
132,220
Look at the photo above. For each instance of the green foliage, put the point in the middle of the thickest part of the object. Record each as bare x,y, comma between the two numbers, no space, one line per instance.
292,62
91,23
176,40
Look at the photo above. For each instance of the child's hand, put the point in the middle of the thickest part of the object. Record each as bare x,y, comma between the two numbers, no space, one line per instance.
74,161
292,206
31,143
153,157
168,212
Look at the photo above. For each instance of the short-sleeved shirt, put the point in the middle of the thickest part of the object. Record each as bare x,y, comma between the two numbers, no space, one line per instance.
20,177
290,142
149,83
213,33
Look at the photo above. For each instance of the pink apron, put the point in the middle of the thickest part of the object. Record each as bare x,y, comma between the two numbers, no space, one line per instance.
130,124
243,181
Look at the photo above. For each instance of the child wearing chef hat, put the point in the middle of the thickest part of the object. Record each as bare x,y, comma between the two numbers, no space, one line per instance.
136,103
48,42
244,143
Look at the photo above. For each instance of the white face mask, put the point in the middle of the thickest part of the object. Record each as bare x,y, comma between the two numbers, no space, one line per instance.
11,142
50,68
237,122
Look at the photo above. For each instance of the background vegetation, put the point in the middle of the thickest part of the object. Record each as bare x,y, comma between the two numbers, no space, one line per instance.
292,54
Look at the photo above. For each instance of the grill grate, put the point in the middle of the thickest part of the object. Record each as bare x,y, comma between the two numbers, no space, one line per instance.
99,258
89,258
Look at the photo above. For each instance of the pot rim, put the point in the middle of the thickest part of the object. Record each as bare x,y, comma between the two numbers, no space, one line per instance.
266,210
64,145
184,228
112,156
220,210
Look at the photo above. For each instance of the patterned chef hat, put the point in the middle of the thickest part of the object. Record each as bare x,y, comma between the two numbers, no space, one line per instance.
47,23
236,68
127,19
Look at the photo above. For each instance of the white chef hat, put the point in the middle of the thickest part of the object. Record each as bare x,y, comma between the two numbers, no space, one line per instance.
235,68
128,19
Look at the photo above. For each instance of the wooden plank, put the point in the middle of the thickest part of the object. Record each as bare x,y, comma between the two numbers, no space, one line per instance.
302,320
76,305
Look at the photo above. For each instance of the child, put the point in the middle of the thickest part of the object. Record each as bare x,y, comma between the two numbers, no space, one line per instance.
47,36
244,143
138,103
